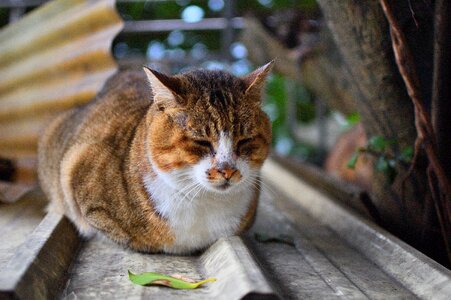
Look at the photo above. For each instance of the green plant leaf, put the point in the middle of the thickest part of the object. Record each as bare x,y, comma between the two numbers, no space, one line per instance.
353,160
406,154
382,164
352,119
152,278
387,167
378,143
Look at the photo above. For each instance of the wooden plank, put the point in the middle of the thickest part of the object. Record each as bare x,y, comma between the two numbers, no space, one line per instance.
326,268
100,271
424,277
323,262
351,195
17,222
337,280
37,269
238,274
289,272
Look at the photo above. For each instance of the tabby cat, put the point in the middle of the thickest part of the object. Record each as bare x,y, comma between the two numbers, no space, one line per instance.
168,167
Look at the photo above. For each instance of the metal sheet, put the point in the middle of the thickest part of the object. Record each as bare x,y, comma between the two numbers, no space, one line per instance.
55,58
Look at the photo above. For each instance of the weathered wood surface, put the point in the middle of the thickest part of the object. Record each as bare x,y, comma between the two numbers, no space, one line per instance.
37,268
424,278
334,254
17,222
321,265
100,271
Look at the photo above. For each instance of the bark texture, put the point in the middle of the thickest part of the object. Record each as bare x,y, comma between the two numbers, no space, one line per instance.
362,36
353,68
441,92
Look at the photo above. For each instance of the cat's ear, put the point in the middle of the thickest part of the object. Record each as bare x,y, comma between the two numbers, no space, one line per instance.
255,81
165,89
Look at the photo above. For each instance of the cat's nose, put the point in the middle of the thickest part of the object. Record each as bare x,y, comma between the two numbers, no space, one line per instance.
228,173
227,170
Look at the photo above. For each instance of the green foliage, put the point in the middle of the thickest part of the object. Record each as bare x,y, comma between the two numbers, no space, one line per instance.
276,107
353,160
352,119
379,143
406,154
386,163
387,167
305,106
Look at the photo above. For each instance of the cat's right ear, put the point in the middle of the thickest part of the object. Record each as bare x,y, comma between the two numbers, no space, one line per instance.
255,81
165,89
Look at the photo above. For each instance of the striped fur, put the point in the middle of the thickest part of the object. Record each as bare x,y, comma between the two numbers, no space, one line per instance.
168,168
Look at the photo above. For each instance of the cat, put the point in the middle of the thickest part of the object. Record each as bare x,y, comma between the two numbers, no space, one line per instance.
160,163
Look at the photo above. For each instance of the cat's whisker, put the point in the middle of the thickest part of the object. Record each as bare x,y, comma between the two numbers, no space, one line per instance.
186,195
267,187
187,184
200,189
190,199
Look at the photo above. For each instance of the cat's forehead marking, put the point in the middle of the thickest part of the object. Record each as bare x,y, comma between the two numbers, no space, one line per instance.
221,98
216,103
225,147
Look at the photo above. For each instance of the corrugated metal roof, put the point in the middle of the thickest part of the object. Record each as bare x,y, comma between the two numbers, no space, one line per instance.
55,58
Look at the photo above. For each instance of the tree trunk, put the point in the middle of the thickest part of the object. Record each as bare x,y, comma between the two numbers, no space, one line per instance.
441,93
356,70
361,33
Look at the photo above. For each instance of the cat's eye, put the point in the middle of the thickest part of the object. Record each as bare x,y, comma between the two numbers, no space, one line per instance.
205,144
241,146
243,142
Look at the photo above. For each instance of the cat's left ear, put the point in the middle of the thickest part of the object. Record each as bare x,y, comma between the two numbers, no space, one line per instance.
255,81
165,89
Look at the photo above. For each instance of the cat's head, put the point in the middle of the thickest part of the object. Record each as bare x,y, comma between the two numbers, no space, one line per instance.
207,128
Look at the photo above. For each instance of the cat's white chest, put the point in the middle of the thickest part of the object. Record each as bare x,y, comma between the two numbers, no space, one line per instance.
198,222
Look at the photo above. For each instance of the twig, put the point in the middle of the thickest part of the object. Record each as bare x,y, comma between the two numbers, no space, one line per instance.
413,14
423,125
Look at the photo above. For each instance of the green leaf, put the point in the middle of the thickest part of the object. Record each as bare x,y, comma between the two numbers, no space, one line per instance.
352,119
152,278
387,167
382,164
353,160
378,143
406,154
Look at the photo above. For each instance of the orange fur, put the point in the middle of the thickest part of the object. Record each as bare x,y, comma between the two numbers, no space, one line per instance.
92,160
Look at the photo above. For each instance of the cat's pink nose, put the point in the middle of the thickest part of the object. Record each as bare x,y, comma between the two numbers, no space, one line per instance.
228,173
